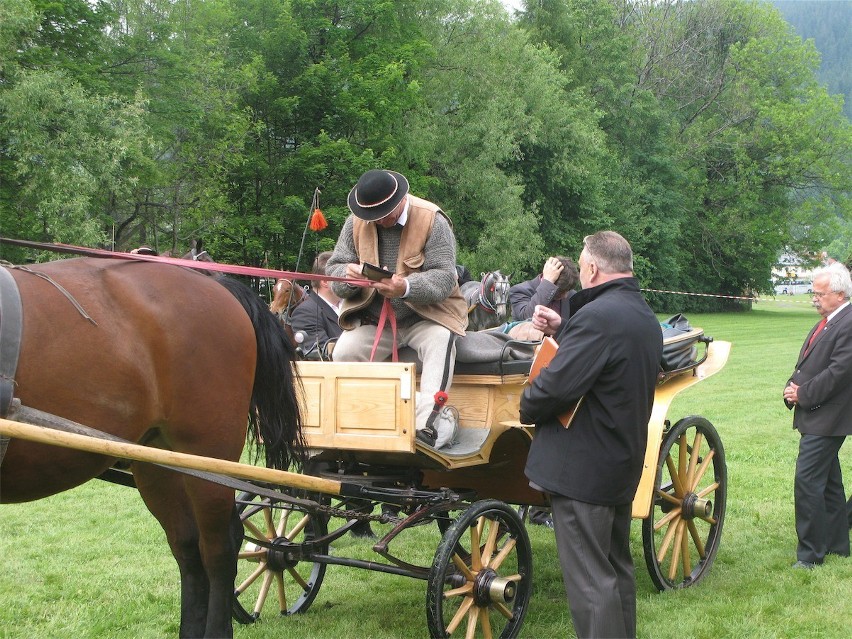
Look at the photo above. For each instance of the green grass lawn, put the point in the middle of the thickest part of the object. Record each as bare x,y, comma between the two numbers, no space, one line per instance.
92,563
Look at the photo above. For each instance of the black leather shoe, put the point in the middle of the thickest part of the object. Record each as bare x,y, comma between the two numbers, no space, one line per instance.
428,436
539,517
546,521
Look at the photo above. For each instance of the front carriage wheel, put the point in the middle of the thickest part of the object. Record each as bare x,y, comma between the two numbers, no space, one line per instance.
283,568
682,533
481,578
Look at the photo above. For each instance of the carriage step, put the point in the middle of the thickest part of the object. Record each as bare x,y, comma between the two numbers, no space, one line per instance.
470,441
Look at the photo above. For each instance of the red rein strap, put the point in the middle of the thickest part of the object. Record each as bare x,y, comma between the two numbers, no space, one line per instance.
219,267
386,314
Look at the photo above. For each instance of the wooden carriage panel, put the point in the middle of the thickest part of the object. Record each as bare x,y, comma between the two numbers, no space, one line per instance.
502,477
472,403
359,406
486,400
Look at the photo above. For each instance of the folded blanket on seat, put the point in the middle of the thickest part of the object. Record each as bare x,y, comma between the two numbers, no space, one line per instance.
492,345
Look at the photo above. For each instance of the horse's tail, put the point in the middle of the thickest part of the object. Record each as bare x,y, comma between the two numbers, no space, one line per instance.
274,414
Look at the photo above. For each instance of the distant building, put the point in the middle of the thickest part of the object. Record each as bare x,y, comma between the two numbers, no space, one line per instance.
793,274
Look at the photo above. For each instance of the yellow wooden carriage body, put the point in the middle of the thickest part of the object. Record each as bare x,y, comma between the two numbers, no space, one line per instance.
365,412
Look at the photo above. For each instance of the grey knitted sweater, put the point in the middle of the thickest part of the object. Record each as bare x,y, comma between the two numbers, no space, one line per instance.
432,284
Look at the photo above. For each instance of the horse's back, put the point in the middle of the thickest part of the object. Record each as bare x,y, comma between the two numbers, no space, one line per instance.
160,353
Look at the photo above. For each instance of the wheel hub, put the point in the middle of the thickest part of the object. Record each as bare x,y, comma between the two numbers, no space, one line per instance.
694,506
489,588
282,555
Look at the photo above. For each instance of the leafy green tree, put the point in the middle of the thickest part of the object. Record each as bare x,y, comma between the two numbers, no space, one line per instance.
724,148
62,144
68,147
765,144
639,185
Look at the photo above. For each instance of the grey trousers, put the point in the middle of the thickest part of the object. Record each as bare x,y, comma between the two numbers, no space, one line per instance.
822,524
593,543
435,347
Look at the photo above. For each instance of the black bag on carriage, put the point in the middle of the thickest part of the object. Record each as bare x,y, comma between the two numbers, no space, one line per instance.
677,353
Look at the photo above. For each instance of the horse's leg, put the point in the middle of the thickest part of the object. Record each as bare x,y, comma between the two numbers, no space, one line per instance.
165,496
221,533
204,533
199,517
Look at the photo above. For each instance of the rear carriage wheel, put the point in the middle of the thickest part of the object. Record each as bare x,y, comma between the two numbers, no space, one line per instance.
481,578
682,533
282,569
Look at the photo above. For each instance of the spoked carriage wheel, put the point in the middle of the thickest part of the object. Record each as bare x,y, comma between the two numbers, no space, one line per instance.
481,578
281,570
681,535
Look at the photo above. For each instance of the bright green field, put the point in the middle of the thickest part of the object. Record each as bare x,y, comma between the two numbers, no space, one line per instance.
92,563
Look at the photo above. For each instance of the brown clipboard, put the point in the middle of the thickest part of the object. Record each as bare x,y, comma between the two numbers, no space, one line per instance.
543,356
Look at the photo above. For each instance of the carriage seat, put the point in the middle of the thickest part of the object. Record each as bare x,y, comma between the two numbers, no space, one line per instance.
500,367
488,352
495,353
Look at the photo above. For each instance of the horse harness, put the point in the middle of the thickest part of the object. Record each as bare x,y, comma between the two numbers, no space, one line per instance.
491,290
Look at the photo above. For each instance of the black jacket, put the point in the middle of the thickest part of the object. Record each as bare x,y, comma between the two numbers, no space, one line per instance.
609,353
318,321
525,296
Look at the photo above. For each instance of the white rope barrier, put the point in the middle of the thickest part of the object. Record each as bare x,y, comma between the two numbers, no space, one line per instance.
727,297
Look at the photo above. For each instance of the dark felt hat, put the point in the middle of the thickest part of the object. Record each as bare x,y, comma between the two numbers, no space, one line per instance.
377,194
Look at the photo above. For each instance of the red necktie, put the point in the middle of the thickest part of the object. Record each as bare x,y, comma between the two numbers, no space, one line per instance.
817,331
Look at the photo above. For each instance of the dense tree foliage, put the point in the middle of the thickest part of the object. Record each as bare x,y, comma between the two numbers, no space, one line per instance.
697,129
828,23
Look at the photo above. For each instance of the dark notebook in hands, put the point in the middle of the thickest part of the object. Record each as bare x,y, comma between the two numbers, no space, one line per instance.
373,272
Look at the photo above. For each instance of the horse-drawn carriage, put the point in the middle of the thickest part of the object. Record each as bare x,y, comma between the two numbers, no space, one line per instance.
358,420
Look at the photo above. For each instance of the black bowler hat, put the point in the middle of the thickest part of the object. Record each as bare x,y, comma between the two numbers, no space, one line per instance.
377,194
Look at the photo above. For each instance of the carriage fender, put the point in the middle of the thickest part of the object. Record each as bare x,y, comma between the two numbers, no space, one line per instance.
717,356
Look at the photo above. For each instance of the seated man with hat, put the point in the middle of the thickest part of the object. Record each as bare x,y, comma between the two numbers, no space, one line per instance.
419,305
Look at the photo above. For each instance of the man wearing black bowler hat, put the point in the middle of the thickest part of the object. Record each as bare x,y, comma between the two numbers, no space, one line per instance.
419,305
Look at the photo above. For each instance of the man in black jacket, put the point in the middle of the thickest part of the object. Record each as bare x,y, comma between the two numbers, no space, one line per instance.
316,317
609,355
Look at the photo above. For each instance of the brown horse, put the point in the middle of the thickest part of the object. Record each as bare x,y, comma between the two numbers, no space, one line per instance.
286,295
168,358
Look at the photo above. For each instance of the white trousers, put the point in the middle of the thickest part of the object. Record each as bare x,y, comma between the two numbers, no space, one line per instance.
435,347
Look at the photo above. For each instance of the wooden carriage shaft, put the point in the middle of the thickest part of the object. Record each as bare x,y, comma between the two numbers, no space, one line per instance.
140,453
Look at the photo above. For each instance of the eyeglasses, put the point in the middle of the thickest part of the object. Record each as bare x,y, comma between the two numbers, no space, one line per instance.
819,295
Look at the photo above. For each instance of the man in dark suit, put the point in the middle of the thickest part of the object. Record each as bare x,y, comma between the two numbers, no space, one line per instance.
316,316
818,391
609,355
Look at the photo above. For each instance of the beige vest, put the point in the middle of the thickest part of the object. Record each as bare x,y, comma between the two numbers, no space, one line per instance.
450,313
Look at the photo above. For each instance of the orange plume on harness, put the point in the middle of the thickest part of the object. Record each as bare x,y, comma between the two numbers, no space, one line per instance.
318,221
